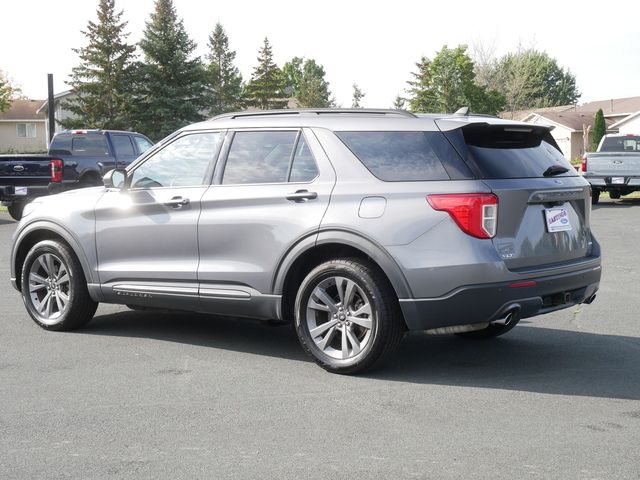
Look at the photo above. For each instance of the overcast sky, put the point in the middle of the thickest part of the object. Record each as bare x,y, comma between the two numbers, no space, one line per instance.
374,44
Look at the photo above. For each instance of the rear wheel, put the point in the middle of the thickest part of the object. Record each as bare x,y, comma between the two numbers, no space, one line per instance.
347,316
15,210
493,330
595,196
54,289
614,194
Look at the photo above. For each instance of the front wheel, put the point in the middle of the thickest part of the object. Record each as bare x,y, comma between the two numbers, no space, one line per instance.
15,210
347,316
54,289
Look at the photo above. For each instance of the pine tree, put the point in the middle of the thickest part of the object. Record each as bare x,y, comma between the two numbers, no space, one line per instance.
304,79
266,88
357,96
102,80
223,80
599,129
399,102
170,86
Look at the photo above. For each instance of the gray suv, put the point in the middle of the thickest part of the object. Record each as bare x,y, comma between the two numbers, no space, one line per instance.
353,225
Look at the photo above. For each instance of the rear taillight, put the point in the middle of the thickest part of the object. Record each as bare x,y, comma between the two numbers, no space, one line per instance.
56,170
583,163
475,213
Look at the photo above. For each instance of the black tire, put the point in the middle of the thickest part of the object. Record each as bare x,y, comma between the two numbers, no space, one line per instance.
78,308
614,194
492,331
15,210
595,196
371,288
90,180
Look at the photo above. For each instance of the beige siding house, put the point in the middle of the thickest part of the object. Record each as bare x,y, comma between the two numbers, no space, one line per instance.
628,125
22,129
59,113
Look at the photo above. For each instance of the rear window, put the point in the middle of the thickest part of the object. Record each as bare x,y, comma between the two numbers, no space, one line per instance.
498,151
400,156
78,144
628,143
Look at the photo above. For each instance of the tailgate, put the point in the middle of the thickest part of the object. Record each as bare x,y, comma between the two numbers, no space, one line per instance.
614,163
543,205
25,170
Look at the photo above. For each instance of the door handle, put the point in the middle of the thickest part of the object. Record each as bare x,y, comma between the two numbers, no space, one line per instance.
177,202
302,195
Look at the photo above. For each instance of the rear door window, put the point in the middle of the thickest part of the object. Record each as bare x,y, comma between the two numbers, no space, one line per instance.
400,156
499,151
122,145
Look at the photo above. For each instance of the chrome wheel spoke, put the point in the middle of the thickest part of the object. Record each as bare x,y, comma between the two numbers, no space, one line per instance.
51,267
62,276
355,344
59,303
44,303
318,331
36,282
317,306
363,322
43,263
365,309
324,297
345,289
345,345
322,344
64,297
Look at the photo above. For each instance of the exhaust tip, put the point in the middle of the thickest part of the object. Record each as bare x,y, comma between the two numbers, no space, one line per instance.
590,300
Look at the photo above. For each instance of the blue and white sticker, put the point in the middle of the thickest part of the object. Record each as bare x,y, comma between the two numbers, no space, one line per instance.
557,220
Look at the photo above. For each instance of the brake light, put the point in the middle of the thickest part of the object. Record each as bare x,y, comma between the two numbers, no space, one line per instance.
583,164
56,170
475,213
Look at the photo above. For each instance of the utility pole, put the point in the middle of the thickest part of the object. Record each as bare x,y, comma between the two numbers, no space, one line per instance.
51,109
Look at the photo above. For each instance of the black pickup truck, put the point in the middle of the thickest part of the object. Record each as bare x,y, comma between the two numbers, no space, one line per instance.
76,159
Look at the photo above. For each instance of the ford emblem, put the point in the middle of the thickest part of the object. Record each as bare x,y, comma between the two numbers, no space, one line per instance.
18,168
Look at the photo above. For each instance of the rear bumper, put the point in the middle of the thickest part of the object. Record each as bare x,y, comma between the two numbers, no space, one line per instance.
604,181
486,303
8,193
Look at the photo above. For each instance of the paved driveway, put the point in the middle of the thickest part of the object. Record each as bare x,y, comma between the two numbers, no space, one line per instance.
146,395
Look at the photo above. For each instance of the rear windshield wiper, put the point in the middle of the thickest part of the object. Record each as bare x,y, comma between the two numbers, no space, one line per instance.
555,170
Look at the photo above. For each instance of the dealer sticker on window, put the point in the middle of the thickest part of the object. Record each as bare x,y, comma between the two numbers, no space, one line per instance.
557,220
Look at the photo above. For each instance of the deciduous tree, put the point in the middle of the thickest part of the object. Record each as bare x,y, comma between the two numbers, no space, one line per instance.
357,96
305,79
8,91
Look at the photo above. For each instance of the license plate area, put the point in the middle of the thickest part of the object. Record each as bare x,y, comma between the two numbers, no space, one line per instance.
557,220
618,180
20,191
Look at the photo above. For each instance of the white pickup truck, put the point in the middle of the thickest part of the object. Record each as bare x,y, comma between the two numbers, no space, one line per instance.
614,167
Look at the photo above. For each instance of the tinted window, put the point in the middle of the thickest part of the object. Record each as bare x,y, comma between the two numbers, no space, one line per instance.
91,145
183,162
304,168
510,152
143,144
397,156
259,157
628,143
61,142
122,145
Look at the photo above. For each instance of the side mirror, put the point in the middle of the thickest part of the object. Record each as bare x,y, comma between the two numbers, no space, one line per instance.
115,178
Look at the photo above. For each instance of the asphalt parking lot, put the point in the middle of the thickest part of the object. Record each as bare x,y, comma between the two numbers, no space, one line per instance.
146,395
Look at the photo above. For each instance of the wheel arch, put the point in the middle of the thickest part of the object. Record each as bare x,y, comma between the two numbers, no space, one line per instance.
43,230
312,251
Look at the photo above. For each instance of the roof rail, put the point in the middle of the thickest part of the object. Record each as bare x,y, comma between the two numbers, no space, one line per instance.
316,111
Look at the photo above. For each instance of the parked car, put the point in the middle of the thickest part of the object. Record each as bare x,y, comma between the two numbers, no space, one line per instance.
354,225
76,159
614,167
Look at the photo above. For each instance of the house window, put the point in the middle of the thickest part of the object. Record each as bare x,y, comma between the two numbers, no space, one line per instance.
26,130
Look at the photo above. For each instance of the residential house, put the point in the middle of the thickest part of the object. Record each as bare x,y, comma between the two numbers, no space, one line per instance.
22,128
60,113
629,124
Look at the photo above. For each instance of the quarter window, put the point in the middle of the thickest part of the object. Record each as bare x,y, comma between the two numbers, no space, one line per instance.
143,144
182,163
304,168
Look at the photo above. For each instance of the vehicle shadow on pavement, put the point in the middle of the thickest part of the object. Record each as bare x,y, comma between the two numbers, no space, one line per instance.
531,359
6,222
621,203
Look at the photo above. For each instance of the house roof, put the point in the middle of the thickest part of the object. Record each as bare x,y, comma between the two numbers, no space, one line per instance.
613,106
625,119
522,114
572,120
45,103
22,110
